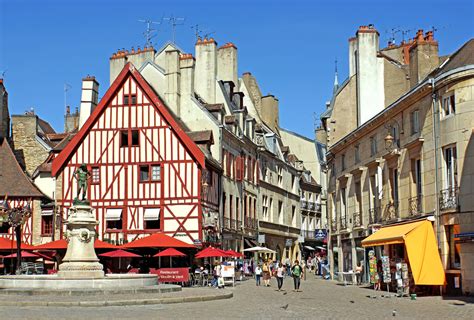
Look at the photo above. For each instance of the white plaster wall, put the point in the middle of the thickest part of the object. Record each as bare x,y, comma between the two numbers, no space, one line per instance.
46,184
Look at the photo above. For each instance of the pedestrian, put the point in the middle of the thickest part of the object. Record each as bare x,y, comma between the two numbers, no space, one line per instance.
297,271
216,273
266,274
280,273
378,276
359,271
288,266
258,274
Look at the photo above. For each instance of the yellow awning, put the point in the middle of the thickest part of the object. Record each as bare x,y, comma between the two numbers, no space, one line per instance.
422,250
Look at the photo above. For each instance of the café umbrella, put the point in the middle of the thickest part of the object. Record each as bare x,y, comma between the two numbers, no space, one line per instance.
233,253
24,254
62,245
170,252
259,249
211,252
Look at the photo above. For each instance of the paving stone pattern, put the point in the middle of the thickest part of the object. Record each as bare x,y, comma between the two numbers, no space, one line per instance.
320,299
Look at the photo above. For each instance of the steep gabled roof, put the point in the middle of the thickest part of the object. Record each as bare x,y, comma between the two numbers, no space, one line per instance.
128,71
13,181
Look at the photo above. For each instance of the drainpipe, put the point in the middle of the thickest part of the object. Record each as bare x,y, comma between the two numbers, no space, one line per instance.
435,112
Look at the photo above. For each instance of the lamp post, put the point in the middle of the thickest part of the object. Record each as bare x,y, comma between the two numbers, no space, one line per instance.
15,217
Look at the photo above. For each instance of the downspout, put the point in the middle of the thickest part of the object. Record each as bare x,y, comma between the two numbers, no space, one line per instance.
435,112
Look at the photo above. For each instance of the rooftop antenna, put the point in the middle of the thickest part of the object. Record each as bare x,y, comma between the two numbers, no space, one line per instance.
197,31
404,33
208,34
174,21
393,32
67,87
149,32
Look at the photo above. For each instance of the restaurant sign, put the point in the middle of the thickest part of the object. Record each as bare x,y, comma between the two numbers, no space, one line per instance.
173,275
320,234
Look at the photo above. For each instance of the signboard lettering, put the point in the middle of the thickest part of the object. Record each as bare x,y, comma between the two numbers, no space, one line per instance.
173,275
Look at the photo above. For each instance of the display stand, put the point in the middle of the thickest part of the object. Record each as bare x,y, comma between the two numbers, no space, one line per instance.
387,277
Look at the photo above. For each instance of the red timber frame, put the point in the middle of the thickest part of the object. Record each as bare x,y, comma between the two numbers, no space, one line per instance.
162,142
27,230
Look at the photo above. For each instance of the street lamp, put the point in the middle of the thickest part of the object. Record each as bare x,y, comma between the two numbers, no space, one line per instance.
15,217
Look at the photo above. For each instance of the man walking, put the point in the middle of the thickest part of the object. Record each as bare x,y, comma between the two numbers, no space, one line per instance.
297,272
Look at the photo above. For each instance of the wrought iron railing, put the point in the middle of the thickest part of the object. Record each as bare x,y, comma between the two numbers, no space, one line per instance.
227,223
357,219
250,223
448,199
415,206
375,215
304,204
343,223
308,234
391,211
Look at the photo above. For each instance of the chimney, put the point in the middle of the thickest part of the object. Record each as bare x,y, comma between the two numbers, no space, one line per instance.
269,112
89,98
137,57
71,120
352,56
173,81
186,65
206,69
370,74
424,56
4,112
227,63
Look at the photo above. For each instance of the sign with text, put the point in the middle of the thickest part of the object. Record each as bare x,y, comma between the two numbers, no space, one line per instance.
173,275
320,234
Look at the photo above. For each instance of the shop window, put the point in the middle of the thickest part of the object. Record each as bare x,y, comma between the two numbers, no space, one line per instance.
95,175
448,105
454,258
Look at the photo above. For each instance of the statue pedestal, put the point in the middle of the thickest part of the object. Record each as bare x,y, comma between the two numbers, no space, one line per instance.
80,260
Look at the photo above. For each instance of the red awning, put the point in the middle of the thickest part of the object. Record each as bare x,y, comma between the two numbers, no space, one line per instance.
120,254
7,244
233,253
158,240
211,252
24,254
170,252
62,245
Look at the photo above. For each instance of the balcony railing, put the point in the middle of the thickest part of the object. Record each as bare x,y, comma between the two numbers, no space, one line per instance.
232,224
310,206
250,223
304,204
333,225
448,199
415,205
227,223
343,223
391,211
357,219
375,215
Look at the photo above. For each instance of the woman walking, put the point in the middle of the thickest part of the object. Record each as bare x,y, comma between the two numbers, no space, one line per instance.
297,272
266,274
258,274
280,272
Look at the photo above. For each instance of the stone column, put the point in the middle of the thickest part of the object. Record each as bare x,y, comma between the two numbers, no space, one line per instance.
80,260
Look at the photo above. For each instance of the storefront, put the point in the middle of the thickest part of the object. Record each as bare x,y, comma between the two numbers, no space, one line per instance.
408,253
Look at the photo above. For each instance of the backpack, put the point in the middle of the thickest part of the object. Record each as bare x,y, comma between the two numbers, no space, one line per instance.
296,270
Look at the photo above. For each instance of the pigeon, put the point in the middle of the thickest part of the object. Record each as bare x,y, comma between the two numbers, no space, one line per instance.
285,293
352,301
285,307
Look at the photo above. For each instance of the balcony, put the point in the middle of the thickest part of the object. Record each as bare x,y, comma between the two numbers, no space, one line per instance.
227,223
415,205
357,220
343,223
448,199
375,215
304,204
391,211
232,224
250,223
310,206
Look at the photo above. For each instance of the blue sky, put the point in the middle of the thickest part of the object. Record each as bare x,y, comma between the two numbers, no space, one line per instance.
290,46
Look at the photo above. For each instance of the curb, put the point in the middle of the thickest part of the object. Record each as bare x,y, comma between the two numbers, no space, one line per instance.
111,303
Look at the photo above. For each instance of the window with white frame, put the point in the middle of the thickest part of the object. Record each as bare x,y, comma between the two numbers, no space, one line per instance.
448,105
265,207
95,175
450,167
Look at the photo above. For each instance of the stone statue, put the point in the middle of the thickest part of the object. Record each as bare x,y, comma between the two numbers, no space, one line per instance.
82,176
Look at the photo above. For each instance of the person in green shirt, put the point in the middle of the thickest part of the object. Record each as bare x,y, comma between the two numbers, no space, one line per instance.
297,272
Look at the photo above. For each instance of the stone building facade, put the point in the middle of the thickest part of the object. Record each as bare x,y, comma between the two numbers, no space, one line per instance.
410,161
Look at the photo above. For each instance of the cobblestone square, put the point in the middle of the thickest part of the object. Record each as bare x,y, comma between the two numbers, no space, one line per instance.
319,300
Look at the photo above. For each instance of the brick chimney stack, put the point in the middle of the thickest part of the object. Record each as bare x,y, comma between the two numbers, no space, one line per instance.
89,98
424,56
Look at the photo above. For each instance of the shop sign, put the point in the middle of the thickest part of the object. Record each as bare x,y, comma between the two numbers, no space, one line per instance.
288,242
261,238
173,275
320,234
227,271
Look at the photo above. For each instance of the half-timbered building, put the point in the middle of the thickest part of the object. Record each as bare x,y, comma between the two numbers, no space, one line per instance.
145,170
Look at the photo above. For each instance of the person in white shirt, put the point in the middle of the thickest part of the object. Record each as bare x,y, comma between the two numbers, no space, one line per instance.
280,273
258,274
